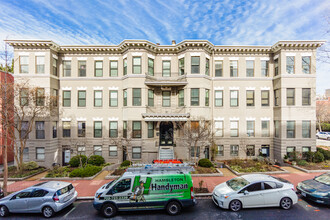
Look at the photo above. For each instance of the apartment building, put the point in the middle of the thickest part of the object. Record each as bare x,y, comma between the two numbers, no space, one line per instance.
125,101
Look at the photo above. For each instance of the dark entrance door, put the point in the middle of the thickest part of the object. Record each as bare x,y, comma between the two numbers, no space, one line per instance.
207,152
124,154
166,133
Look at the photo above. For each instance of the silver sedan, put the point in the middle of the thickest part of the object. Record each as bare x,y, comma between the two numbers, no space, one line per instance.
46,198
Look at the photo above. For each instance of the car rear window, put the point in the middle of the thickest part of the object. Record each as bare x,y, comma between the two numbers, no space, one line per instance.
64,190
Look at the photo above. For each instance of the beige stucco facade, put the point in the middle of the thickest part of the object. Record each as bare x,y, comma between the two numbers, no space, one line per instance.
179,79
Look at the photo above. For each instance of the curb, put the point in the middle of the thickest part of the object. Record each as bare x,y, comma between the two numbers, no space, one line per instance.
309,171
283,171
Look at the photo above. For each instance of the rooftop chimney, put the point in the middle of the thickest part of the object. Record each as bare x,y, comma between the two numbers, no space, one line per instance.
173,42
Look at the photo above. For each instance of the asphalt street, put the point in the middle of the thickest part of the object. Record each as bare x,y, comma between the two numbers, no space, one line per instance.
204,210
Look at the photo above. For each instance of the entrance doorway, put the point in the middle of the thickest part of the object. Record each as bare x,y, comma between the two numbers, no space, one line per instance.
207,152
124,154
166,133
66,155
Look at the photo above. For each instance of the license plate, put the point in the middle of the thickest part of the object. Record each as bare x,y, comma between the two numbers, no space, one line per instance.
303,194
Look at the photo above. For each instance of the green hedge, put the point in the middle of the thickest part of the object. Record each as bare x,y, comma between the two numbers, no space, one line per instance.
32,165
325,153
125,163
89,170
75,161
96,160
205,163
318,157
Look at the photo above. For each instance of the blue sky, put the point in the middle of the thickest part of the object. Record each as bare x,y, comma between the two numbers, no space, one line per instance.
228,22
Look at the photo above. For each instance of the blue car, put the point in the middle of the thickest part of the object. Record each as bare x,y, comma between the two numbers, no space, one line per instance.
317,189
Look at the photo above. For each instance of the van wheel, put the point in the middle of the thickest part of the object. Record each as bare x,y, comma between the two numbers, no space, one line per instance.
4,211
173,208
109,210
47,212
235,205
286,203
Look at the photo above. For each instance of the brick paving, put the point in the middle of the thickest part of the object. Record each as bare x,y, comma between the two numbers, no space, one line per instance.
37,177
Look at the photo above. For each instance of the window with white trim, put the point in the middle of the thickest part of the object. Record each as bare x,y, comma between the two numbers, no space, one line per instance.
113,152
233,128
218,128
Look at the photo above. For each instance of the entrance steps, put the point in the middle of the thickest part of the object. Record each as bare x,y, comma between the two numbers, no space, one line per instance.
166,153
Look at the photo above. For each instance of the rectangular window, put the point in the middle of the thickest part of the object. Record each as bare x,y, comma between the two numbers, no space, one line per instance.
166,68
54,129
40,64
218,128
66,68
136,65
55,67
306,96
166,98
250,128
40,130
81,150
277,97
54,97
181,97
113,151
113,68
125,129
207,97
250,150
136,97
233,68
98,98
98,150
81,129
98,69
290,129
276,67
151,97
81,68
125,97
306,65
113,131
113,95
150,129
125,66
24,130
207,66
136,152
195,65
250,68
290,96
218,98
82,98
305,150
194,99
193,151
290,64
181,66
265,129
264,68
218,68
233,128
26,154
40,153
24,97
306,129
151,69
97,129
290,150
66,129
234,150
277,129
264,97
137,130
220,150
66,98
249,97
24,64
40,97
233,98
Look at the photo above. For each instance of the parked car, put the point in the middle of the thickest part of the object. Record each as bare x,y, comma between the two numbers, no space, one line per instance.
323,135
46,198
317,189
254,190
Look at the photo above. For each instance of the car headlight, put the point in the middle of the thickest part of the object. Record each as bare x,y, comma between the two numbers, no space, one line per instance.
97,195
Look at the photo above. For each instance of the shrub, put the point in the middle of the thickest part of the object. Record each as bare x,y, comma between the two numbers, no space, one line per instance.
30,165
75,161
309,156
125,163
89,170
96,160
318,157
205,163
59,172
302,163
325,153
12,168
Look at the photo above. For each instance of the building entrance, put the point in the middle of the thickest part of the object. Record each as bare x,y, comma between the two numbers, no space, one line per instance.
166,133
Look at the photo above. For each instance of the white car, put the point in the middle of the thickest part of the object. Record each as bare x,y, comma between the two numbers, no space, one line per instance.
254,190
323,135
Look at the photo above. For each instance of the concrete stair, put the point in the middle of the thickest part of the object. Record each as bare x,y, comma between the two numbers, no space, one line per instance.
166,153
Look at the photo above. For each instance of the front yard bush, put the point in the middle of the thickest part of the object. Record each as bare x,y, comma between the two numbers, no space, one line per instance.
125,163
302,163
32,165
96,160
89,170
205,163
325,153
318,157
59,172
75,161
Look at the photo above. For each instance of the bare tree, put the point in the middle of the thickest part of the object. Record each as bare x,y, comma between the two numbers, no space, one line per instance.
322,113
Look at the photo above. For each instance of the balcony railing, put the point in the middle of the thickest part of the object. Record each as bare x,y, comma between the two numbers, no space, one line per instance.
166,79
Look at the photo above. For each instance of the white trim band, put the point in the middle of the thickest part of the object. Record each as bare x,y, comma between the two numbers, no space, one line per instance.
81,88
264,58
207,56
219,119
135,54
81,119
23,53
55,56
125,56
181,56
167,58
234,88
113,119
290,54
81,58
306,54
66,58
250,119
234,119
66,88
66,119
151,56
250,88
233,58
97,119
98,58
276,56
250,58
265,88
218,88
98,88
218,58
40,53
113,88
265,119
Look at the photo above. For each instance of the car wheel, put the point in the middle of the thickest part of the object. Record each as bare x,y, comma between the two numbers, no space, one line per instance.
235,205
173,208
47,212
286,203
109,210
4,211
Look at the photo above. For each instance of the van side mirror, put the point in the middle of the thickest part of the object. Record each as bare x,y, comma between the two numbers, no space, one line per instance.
246,192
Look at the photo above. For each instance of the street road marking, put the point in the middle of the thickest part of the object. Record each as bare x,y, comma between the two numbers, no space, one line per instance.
74,207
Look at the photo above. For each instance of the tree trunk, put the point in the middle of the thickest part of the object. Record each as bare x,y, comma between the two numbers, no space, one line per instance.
5,165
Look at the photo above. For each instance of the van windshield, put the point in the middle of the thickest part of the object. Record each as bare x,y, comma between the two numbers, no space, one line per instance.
111,183
237,183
